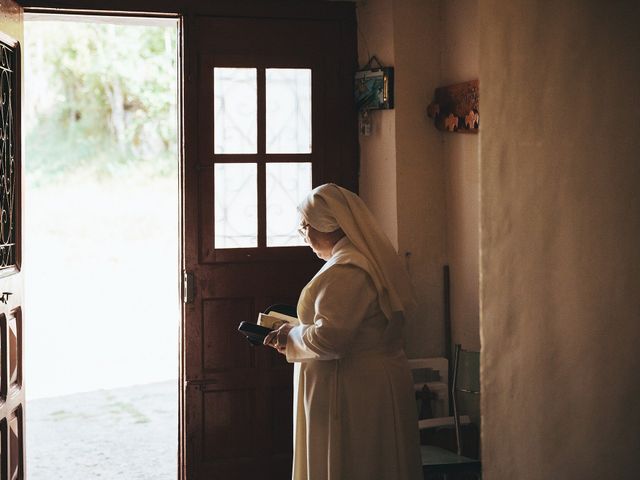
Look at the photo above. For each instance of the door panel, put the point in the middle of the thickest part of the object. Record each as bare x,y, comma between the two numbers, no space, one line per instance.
12,405
237,399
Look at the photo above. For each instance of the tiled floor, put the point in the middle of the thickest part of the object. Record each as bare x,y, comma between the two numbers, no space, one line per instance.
127,433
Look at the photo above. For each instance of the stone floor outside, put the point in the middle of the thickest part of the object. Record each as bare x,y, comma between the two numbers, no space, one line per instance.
126,433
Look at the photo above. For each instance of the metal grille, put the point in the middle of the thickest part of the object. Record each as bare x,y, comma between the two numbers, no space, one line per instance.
7,157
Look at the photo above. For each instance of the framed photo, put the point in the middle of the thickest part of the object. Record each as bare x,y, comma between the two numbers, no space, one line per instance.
374,89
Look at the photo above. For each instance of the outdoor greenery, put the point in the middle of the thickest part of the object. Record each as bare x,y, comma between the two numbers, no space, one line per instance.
100,100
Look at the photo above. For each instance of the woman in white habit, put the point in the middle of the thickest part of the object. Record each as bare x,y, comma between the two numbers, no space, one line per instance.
354,409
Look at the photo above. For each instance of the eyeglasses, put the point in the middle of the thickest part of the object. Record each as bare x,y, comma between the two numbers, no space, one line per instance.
303,229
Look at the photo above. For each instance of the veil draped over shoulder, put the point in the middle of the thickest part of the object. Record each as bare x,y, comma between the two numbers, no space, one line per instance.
330,207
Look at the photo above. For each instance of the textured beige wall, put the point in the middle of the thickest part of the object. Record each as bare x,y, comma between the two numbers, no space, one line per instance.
378,151
402,167
560,236
420,169
461,152
11,20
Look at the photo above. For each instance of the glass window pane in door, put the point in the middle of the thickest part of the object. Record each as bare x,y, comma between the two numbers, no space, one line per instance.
288,110
287,185
236,205
235,116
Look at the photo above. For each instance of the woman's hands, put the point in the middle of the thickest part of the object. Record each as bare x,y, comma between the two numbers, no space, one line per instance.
278,338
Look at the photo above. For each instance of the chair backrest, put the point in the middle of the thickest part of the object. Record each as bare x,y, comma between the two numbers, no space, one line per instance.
431,373
466,381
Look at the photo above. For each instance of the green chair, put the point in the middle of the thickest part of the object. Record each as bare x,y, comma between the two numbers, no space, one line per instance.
437,461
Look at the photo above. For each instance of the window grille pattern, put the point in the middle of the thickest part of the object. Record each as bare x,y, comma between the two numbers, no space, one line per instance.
287,185
288,116
7,156
235,110
236,205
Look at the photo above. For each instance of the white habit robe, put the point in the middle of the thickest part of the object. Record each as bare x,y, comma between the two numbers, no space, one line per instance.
354,409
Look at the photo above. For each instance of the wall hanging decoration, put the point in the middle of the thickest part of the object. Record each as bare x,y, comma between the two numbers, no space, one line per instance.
374,86
455,108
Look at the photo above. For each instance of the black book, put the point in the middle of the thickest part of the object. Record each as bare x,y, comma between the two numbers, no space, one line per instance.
271,319
255,333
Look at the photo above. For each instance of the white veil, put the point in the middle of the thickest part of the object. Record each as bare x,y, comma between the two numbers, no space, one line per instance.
329,207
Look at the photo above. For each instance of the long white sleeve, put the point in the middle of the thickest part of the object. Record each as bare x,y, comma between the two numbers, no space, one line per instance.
343,296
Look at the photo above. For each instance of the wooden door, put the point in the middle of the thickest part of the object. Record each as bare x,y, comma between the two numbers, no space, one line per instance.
12,404
236,403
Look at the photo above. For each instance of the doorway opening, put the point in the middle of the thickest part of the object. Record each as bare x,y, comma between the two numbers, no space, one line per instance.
101,251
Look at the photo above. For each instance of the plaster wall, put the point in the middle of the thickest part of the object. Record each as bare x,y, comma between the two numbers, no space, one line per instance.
378,152
402,168
11,20
461,155
560,229
420,167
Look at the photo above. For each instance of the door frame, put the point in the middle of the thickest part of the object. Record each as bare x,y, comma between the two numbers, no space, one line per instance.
186,11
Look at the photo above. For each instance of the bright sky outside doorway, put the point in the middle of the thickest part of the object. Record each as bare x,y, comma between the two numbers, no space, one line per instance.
101,253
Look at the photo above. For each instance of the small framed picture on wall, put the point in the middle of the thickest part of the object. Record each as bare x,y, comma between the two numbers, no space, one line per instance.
374,87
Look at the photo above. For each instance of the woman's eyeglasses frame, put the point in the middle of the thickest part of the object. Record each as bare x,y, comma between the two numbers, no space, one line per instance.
303,229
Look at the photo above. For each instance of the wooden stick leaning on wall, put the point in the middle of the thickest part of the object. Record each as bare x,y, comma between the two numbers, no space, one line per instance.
447,327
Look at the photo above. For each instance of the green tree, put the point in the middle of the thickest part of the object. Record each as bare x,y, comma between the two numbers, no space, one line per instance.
99,99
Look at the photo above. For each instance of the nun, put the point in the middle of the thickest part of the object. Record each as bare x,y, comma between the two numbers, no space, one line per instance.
354,408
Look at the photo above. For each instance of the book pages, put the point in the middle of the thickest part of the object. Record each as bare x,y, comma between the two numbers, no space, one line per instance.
274,320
